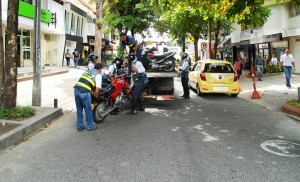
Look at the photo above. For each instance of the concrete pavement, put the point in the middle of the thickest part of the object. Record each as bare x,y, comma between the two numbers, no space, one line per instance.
272,90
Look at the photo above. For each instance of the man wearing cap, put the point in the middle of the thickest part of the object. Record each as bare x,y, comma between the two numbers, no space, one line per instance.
89,83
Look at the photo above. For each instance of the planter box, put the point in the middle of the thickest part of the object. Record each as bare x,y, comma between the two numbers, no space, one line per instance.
291,109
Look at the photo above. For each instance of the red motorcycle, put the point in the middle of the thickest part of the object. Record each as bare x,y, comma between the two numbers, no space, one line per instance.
110,98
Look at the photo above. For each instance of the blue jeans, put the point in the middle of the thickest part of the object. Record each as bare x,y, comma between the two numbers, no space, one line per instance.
288,75
260,71
75,62
83,101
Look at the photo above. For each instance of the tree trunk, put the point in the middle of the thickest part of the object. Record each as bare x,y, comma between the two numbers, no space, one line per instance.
209,40
1,59
196,39
217,31
99,26
10,80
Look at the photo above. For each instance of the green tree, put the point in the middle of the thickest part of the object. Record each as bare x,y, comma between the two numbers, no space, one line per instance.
133,15
216,13
101,6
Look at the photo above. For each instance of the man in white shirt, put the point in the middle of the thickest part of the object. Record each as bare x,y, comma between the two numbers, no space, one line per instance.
273,60
288,63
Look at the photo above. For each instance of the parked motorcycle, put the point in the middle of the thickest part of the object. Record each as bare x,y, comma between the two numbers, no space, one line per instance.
110,97
165,62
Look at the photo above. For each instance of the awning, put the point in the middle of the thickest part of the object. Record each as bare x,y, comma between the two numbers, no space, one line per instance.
223,42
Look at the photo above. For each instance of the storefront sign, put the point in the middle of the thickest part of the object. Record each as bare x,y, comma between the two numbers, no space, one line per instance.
245,35
28,10
256,39
271,38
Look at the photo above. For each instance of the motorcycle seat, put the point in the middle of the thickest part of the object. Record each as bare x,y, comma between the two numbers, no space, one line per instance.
160,56
107,91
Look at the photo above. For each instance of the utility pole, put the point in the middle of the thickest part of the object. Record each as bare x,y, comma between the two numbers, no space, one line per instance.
36,87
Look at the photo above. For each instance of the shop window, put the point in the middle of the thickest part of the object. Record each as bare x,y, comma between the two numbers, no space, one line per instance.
67,23
26,44
79,21
27,1
73,25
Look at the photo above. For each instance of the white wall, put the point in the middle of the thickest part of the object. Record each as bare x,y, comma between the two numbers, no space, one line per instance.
236,33
276,21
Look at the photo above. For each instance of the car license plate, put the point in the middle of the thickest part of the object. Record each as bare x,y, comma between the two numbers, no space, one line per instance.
220,89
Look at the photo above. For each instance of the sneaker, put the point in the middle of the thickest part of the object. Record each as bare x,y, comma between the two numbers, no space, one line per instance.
80,129
94,128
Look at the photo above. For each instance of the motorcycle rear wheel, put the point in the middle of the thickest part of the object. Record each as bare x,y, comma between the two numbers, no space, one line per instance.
97,113
169,65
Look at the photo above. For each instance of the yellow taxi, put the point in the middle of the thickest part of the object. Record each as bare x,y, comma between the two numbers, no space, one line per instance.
214,76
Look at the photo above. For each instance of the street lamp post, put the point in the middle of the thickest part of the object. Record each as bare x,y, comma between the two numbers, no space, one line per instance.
36,87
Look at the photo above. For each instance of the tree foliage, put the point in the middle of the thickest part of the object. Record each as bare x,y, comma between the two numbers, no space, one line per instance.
213,12
133,15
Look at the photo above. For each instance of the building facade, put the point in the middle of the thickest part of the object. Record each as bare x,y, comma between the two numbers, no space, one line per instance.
281,31
74,28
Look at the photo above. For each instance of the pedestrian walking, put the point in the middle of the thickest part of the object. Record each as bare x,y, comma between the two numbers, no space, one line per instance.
238,67
184,68
88,84
259,62
274,60
68,57
139,81
288,63
76,56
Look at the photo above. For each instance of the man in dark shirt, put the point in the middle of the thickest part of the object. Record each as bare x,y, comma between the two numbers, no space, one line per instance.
76,56
134,48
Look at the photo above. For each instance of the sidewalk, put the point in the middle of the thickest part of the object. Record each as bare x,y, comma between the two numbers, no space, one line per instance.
272,90
26,73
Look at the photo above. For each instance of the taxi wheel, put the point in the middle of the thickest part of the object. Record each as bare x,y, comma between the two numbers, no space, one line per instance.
198,90
234,95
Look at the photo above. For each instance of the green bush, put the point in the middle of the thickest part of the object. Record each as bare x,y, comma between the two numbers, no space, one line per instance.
17,113
293,103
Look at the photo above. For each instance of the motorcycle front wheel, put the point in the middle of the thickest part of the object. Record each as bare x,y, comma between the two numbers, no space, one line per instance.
169,65
98,111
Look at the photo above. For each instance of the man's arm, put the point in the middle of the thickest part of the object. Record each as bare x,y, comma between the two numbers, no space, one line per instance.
294,66
98,80
136,48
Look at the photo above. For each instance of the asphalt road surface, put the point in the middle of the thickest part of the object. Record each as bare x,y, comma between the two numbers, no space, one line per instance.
210,138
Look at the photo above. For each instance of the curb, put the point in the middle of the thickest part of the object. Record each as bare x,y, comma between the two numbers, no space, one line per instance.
29,126
287,108
25,78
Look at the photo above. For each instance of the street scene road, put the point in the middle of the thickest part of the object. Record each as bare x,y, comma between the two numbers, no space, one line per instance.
210,138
